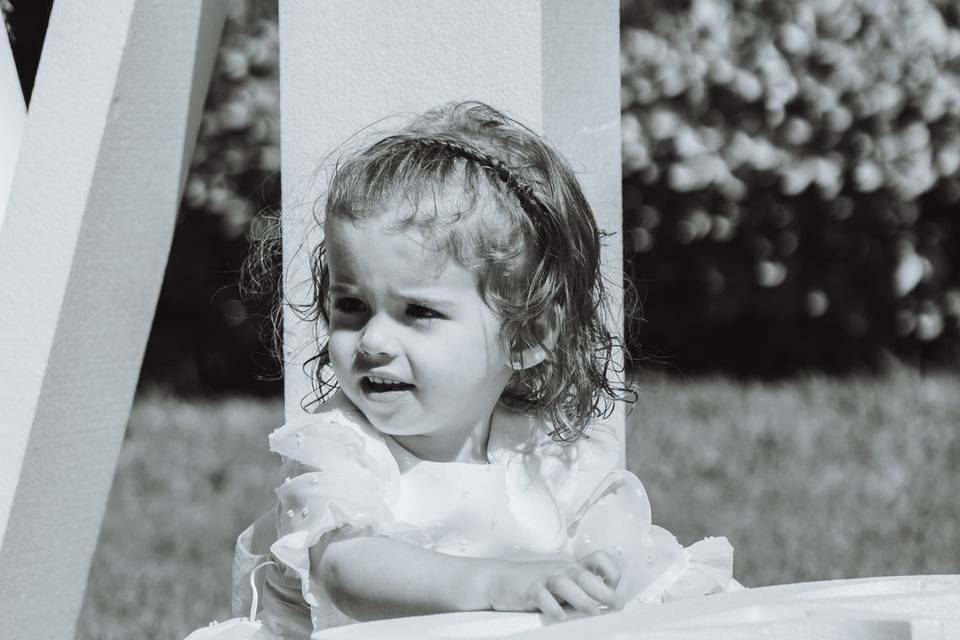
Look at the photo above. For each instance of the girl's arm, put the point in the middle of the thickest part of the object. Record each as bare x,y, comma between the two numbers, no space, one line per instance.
370,578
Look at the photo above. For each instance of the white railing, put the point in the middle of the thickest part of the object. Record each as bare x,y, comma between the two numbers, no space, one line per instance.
895,608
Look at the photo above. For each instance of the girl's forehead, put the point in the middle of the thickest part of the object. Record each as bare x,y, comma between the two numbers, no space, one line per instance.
434,209
377,246
368,234
388,226
444,225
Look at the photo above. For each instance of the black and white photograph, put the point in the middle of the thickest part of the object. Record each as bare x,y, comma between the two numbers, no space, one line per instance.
519,319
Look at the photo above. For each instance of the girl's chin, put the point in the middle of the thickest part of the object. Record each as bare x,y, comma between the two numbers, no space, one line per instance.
393,416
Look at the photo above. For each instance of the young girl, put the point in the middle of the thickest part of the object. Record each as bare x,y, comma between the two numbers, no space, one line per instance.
458,463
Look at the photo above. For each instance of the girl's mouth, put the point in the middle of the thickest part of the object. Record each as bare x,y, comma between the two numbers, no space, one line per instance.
376,384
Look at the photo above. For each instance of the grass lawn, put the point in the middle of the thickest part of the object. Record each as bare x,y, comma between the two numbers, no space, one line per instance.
814,478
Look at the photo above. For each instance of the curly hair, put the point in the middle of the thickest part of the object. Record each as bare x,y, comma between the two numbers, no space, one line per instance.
488,192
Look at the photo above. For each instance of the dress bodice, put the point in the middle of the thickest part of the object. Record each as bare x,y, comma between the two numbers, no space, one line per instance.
476,510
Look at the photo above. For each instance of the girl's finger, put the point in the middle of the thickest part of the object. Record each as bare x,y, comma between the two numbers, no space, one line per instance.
549,605
602,564
570,591
594,587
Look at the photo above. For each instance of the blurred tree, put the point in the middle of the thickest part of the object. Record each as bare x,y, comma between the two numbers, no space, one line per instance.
26,24
5,9
791,179
206,336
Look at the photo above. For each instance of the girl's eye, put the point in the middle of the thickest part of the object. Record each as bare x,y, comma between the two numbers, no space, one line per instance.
349,305
421,312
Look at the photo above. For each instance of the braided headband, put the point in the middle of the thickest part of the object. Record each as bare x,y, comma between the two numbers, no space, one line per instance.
530,202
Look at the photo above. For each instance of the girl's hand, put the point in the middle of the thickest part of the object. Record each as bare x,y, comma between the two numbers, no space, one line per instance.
543,585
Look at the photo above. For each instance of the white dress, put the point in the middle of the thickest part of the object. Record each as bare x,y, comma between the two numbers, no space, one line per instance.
535,498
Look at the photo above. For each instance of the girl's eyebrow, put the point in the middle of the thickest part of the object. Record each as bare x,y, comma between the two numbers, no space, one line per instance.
425,299
417,297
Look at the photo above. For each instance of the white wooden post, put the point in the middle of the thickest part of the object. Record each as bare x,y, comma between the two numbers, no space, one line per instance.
13,115
83,247
901,608
552,64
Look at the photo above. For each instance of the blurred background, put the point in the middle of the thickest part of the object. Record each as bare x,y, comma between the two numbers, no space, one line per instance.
791,180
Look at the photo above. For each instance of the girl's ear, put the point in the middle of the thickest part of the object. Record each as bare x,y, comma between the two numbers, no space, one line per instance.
544,330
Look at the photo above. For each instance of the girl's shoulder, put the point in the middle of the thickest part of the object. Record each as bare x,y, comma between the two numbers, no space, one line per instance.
571,470
514,434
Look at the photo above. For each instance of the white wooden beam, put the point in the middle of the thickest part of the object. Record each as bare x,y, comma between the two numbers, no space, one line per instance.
13,116
83,248
552,64
907,607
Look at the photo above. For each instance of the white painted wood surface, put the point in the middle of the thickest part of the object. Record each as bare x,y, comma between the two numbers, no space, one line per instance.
552,64
894,608
83,247
13,116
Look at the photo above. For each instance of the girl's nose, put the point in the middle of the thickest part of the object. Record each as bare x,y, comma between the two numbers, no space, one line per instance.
377,340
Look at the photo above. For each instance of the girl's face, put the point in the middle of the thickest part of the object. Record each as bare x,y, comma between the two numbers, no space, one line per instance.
412,343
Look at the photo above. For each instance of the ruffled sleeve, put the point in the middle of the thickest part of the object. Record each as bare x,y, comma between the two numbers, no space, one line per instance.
573,472
655,566
339,478
704,568
607,508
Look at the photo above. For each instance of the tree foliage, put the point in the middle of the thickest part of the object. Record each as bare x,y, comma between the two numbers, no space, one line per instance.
206,335
6,8
791,175
791,180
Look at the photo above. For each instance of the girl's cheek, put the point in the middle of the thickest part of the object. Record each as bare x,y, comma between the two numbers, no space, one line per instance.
341,351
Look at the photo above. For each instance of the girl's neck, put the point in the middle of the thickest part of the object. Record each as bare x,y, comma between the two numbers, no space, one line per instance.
462,446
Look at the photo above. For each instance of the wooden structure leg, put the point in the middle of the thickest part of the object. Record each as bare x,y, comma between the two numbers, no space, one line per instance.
83,246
